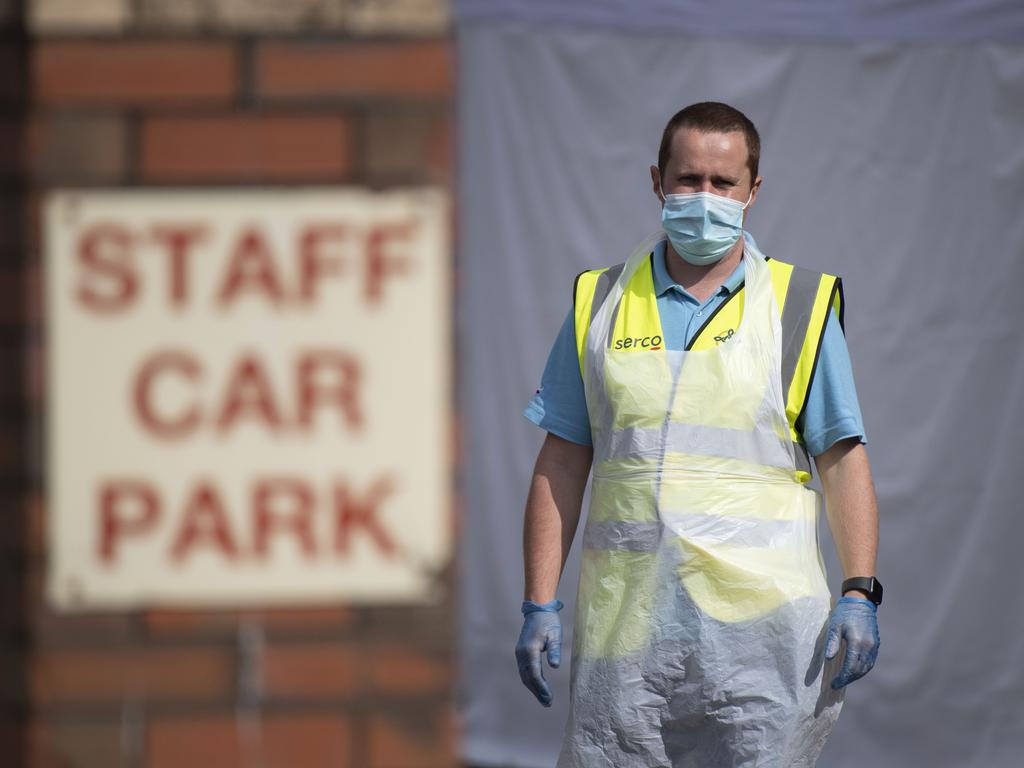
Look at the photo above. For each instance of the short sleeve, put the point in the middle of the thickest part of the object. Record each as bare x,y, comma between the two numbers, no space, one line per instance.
560,404
832,412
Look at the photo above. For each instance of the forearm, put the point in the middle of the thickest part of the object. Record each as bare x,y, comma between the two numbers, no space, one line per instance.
552,514
851,507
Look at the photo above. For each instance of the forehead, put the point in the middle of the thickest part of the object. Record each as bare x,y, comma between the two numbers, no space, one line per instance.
695,150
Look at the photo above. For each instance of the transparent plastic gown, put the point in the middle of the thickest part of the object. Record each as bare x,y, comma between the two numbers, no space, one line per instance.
702,602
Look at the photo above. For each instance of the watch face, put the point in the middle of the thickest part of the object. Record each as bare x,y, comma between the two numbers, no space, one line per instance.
869,585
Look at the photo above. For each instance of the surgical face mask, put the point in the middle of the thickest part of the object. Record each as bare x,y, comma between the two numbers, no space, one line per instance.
702,226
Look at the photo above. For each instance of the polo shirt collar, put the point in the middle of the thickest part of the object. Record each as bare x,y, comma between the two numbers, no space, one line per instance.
663,281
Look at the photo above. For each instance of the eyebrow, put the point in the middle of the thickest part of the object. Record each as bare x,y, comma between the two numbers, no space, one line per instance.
713,177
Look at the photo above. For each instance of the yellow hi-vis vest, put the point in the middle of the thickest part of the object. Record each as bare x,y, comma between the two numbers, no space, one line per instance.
802,295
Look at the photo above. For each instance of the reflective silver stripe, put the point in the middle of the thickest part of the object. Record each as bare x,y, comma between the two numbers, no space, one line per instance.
758,447
630,536
803,459
733,531
622,536
796,318
601,288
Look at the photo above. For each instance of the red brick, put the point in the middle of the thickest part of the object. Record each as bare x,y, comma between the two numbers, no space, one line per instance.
62,146
278,741
61,743
133,73
112,675
303,620
309,671
53,628
296,70
441,150
424,742
246,148
398,671
407,143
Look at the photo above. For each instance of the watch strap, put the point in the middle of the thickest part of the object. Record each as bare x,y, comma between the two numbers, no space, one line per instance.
869,585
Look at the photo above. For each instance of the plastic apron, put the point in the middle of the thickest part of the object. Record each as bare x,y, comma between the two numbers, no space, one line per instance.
702,603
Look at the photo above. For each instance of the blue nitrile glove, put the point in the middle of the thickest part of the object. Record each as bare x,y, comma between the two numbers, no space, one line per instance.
542,631
853,620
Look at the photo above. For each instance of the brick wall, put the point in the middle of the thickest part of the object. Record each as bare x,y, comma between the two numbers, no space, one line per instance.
129,93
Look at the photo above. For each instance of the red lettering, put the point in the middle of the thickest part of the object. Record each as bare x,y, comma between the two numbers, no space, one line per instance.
380,264
157,364
178,241
204,522
251,268
116,519
105,253
343,394
298,520
351,513
248,390
313,262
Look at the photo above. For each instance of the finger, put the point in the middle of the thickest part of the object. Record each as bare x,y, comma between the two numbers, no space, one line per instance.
842,678
533,677
832,643
855,666
555,648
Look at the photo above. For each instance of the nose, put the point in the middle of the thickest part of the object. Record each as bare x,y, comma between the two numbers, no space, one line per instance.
706,186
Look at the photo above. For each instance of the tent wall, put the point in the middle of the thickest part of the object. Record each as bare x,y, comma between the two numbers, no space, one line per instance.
899,167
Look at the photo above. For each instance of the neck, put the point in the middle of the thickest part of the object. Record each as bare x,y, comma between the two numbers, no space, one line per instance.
701,282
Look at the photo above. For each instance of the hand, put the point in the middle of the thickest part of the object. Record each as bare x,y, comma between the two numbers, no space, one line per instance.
542,631
853,620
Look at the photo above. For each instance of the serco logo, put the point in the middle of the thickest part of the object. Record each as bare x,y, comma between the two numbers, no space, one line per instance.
642,342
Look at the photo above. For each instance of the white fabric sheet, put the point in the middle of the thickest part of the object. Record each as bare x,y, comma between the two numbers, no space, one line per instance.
900,168
807,20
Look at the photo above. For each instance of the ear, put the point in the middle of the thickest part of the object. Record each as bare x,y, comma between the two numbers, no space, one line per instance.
754,190
656,183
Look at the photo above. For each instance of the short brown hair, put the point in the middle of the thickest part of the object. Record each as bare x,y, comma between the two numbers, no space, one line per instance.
711,117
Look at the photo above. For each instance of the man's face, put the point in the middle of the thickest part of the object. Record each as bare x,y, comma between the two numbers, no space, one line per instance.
707,162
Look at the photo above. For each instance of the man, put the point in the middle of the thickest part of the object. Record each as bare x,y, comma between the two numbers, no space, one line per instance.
696,378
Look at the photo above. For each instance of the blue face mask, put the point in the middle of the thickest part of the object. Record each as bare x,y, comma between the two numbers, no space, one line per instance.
701,226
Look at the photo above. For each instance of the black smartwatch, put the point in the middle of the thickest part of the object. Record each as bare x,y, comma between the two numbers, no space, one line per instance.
869,585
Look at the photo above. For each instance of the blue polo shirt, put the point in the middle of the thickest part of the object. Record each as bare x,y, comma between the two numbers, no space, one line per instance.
832,413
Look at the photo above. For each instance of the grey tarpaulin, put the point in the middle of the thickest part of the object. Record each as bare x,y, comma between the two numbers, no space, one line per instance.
897,166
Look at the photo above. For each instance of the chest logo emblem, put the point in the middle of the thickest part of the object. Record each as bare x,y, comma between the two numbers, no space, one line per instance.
641,342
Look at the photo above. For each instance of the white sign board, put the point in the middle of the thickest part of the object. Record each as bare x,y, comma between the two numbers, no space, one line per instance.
247,396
